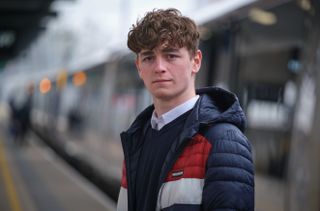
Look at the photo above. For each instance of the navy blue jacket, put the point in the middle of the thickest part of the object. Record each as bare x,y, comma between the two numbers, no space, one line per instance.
209,166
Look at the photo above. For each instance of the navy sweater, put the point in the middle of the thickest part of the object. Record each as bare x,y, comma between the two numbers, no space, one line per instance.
155,148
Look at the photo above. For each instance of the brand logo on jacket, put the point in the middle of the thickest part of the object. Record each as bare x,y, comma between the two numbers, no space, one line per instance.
178,173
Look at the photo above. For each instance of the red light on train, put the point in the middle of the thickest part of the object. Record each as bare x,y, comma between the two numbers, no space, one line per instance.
79,79
45,85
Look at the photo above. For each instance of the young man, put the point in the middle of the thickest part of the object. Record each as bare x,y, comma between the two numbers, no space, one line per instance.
186,152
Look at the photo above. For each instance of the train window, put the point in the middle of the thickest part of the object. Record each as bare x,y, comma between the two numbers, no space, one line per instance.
215,67
128,96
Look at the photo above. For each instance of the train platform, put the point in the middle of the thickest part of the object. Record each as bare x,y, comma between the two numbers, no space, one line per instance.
33,178
269,194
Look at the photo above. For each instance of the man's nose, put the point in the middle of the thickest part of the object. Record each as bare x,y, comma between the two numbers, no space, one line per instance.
159,65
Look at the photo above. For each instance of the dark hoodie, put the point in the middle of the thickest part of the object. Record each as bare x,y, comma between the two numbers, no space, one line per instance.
208,167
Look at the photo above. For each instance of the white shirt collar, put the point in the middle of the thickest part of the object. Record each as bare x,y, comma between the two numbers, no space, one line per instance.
159,122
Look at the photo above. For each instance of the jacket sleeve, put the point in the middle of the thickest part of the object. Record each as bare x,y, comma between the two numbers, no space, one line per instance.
229,178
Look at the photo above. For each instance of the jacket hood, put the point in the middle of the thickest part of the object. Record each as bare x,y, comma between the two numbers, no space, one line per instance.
214,105
218,105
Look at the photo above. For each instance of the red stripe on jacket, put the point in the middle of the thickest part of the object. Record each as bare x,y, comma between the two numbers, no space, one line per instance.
124,183
192,162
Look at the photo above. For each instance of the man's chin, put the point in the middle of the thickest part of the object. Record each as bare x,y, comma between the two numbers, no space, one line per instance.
163,95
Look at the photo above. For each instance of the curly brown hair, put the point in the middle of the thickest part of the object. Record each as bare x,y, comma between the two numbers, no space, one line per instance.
164,27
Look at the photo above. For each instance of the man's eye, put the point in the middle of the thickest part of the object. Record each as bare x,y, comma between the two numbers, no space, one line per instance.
146,59
172,56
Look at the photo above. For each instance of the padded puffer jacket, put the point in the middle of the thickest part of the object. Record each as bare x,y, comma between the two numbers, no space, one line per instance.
209,166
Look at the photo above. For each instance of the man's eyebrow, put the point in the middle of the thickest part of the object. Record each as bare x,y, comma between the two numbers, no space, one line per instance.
170,50
146,53
164,50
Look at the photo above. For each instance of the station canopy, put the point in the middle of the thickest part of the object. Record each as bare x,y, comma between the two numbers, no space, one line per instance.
21,21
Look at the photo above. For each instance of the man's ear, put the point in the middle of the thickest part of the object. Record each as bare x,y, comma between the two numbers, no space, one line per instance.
197,61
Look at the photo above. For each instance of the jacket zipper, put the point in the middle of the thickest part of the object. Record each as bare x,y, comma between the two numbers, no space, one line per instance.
172,161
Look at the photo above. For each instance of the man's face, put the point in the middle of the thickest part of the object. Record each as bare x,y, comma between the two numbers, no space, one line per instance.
169,73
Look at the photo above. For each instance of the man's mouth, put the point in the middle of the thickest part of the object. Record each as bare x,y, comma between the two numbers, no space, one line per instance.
161,81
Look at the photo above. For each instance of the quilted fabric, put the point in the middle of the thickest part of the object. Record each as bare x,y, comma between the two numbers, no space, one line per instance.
209,166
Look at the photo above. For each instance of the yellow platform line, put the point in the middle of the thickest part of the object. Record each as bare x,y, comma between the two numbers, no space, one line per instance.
9,184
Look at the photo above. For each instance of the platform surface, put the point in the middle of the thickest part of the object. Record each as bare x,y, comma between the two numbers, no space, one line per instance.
33,178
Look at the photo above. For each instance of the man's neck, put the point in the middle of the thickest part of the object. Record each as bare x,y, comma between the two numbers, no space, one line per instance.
163,106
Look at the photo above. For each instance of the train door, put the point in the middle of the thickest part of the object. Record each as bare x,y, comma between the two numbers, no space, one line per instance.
273,54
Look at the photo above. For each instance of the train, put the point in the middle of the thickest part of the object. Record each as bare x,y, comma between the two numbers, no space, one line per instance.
267,52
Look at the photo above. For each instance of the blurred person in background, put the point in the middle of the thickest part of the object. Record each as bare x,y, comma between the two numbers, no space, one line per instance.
187,151
14,124
20,116
24,114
